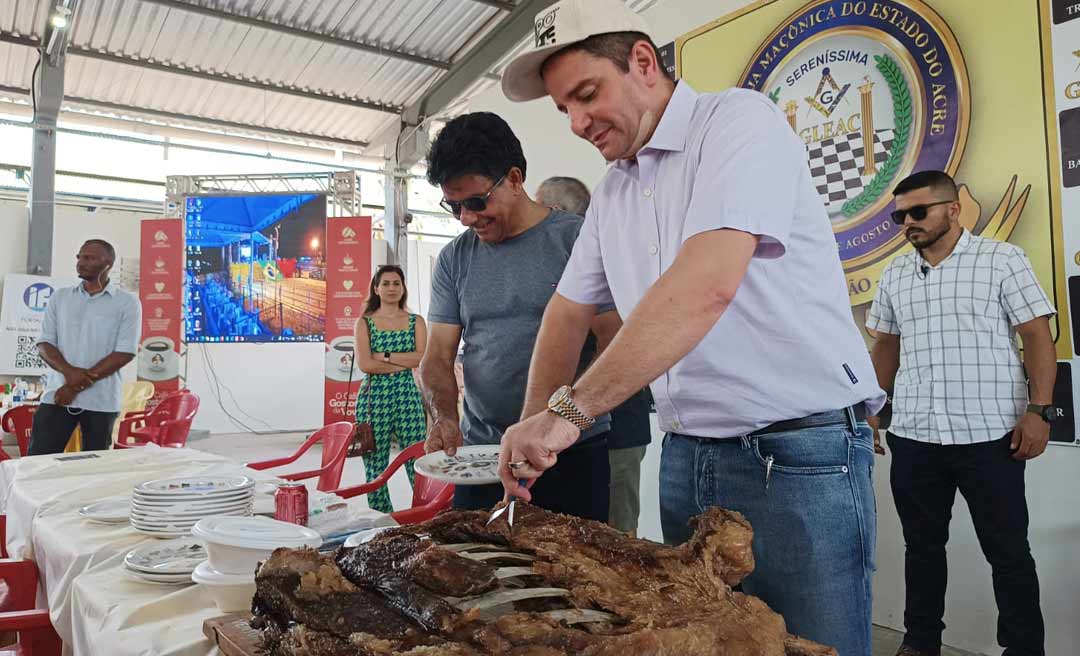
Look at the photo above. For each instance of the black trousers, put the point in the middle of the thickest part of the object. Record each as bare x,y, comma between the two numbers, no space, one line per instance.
925,478
53,425
577,485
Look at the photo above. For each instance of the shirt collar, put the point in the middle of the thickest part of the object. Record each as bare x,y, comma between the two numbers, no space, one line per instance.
962,245
674,126
109,289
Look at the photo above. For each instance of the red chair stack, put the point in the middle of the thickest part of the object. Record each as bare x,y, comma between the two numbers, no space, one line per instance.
166,425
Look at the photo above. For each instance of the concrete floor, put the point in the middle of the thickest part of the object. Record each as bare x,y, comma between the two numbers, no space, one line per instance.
244,447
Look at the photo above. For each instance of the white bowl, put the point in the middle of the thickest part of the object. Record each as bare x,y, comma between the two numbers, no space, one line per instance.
231,593
235,545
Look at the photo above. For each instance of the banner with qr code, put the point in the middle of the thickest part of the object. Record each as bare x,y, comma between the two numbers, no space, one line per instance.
22,314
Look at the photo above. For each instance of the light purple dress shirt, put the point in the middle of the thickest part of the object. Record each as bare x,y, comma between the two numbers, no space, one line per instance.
787,346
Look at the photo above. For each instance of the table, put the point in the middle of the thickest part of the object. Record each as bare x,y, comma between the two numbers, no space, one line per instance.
95,607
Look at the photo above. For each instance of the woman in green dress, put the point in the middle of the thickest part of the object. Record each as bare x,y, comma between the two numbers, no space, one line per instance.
389,344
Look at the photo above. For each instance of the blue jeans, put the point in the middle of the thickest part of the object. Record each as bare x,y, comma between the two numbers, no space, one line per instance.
813,515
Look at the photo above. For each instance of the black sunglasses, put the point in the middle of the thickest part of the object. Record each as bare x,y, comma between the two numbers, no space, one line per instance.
917,212
472,203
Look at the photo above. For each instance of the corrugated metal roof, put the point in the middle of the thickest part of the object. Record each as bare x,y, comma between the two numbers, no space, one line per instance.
201,37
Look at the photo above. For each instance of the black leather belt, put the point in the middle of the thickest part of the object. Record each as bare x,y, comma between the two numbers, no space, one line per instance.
856,412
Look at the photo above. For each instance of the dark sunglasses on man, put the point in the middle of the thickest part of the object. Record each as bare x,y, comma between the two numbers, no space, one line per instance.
472,203
917,212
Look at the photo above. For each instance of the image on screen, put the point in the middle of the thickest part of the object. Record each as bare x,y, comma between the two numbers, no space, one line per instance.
256,270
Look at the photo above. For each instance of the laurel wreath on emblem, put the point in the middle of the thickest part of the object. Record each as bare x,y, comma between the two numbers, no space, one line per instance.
901,97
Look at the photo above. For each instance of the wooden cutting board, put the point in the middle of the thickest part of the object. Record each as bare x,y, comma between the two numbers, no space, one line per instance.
232,634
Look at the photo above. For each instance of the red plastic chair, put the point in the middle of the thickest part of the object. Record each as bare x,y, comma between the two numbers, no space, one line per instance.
335,439
18,589
429,495
19,420
166,425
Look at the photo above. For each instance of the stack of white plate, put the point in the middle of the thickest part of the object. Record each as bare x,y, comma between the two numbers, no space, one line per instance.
169,507
167,563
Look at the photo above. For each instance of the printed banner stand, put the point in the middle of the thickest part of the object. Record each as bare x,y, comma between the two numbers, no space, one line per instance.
161,285
348,273
21,317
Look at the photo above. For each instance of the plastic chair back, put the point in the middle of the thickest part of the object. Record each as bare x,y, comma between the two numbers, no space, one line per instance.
20,420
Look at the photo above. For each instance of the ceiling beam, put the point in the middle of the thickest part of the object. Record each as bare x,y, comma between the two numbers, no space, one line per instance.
80,51
475,64
198,120
304,34
498,4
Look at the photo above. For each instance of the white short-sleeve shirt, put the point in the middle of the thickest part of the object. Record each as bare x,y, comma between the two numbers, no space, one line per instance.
787,347
961,380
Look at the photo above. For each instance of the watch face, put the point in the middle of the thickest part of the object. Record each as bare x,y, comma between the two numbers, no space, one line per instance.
558,397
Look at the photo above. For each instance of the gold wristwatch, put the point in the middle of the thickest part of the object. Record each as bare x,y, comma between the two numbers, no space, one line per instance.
562,404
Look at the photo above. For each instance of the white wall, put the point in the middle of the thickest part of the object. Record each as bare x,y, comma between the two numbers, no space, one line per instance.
1053,483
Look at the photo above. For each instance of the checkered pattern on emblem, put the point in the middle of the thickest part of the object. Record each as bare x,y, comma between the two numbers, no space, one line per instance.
836,163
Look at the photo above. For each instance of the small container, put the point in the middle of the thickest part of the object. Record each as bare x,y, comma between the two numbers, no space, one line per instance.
291,503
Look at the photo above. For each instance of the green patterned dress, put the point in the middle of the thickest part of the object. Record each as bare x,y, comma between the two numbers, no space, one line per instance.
396,408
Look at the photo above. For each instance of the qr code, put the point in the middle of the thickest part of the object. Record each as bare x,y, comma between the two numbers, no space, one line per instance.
26,354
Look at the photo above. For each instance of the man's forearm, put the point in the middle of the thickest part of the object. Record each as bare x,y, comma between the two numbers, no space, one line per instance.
672,318
109,365
52,357
556,354
885,356
1040,362
440,388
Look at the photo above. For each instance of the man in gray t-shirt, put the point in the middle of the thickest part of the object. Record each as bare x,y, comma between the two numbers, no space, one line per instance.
490,287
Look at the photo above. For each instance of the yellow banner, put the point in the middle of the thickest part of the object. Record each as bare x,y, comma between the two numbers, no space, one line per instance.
881,89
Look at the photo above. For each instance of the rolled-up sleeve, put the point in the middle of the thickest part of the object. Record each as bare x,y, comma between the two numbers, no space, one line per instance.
48,325
583,280
749,175
127,333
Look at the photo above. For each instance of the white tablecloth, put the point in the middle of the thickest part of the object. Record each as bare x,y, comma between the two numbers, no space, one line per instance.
95,607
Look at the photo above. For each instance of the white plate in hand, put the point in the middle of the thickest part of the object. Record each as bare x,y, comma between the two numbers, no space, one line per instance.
109,511
471,465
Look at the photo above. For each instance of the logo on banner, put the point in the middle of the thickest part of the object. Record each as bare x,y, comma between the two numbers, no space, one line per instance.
159,264
158,312
160,237
348,233
348,310
1072,89
348,261
876,91
159,287
347,284
36,296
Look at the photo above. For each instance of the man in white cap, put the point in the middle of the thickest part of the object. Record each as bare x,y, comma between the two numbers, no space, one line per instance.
708,235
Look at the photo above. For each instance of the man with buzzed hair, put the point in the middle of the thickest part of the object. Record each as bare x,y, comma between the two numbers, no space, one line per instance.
90,332
563,193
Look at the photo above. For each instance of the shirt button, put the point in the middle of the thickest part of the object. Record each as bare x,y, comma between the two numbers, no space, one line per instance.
653,249
648,193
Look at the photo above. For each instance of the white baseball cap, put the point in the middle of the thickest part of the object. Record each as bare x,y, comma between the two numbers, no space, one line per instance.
560,25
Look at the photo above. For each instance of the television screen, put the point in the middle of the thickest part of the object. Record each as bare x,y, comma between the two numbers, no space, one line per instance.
255,268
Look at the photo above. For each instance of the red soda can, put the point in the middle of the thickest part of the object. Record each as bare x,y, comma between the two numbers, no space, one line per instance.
290,503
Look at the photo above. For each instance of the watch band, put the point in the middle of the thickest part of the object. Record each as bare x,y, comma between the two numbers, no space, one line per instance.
568,410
